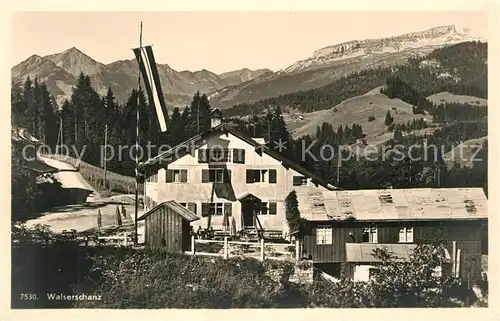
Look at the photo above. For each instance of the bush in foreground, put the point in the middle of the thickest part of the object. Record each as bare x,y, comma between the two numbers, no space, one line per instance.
127,278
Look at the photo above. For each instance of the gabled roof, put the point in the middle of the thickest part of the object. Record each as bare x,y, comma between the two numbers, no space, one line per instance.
198,141
249,196
414,204
176,207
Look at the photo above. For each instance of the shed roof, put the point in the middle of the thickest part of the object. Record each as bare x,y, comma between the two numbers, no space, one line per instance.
363,252
176,207
418,204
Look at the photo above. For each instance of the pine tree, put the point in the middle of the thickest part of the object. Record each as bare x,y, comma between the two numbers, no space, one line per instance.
279,133
176,128
18,109
398,135
292,212
388,118
23,188
30,112
49,117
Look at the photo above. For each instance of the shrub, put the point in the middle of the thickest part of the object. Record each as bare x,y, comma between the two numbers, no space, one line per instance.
371,118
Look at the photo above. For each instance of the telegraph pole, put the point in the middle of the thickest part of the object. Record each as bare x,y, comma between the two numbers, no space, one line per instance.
62,132
59,137
198,113
338,170
105,153
137,148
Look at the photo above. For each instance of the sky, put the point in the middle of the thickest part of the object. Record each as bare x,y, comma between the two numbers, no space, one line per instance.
218,41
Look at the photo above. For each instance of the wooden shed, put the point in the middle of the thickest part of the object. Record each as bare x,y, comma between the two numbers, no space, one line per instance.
167,225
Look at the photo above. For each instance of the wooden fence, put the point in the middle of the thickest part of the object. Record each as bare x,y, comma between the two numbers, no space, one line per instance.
115,240
259,250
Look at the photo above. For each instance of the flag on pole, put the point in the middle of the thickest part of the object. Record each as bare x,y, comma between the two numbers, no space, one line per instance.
149,73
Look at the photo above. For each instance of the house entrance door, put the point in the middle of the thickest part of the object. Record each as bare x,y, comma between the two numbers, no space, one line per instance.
247,211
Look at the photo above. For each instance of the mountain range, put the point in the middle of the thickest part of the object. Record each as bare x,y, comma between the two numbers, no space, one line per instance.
60,71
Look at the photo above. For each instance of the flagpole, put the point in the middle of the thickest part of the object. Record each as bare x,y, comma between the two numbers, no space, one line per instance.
137,149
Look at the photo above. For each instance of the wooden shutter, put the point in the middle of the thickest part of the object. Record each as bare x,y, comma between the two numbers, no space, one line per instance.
184,175
202,155
170,176
211,175
272,176
272,208
227,176
250,176
205,176
205,207
192,207
228,209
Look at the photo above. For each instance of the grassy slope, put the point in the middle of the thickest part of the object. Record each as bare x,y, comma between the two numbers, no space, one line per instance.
357,110
278,84
446,97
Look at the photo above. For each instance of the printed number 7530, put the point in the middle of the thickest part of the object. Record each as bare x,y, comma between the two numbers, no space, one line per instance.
29,296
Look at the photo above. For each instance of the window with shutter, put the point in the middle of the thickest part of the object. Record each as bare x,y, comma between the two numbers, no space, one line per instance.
264,209
272,176
272,208
228,209
205,208
192,207
239,156
299,180
170,176
215,208
183,175
202,156
205,177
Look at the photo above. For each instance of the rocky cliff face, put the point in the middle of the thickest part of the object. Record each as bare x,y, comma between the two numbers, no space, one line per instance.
433,37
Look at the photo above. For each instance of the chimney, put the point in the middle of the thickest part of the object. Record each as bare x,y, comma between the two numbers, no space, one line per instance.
215,117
